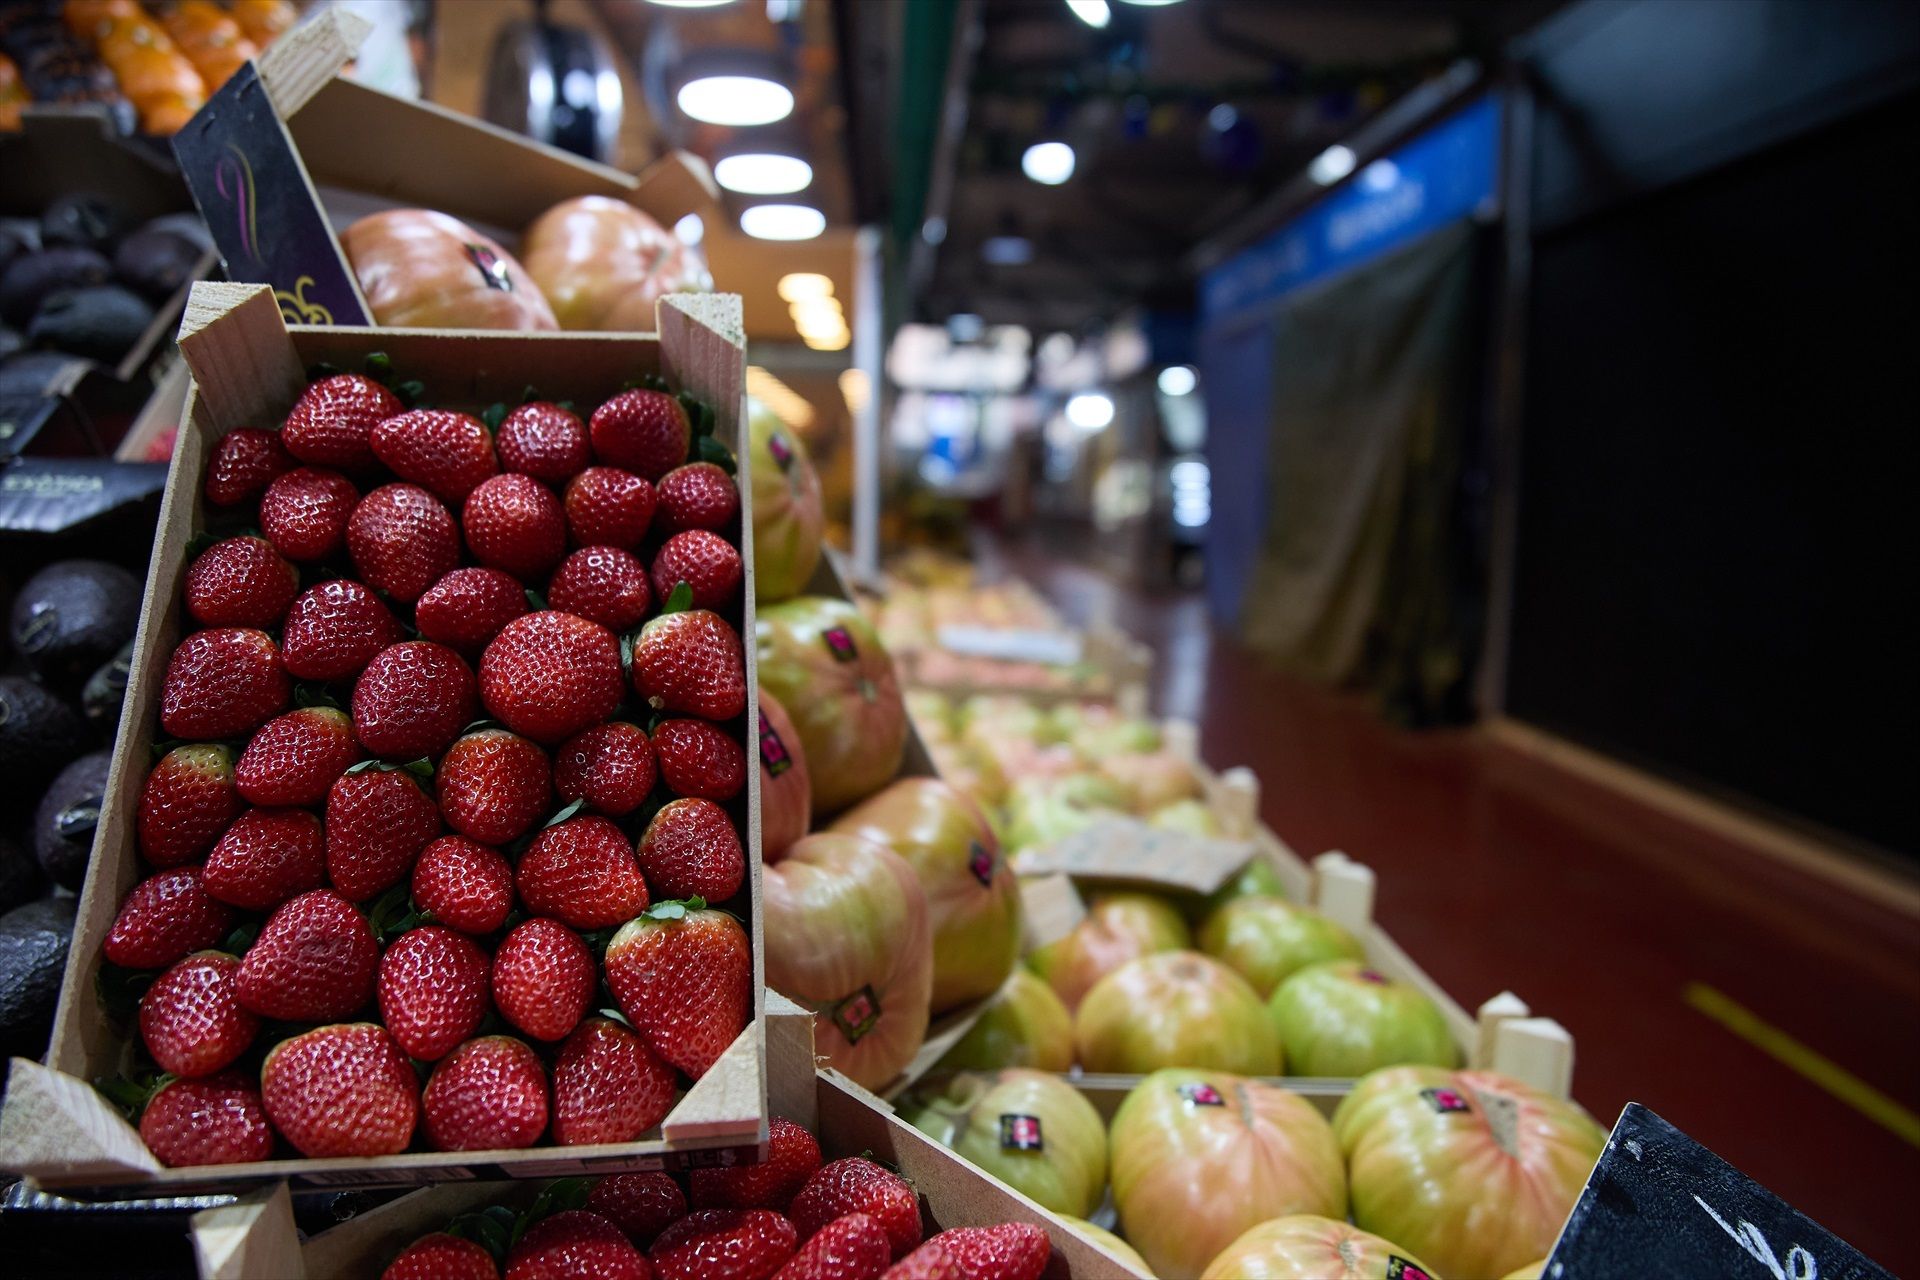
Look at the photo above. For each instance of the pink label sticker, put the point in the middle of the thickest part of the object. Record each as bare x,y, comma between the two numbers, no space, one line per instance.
773,752
981,863
856,1014
840,643
1374,976
1445,1100
1021,1133
1201,1094
782,451
492,269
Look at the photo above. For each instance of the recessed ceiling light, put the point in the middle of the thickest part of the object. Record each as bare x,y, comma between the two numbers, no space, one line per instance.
798,286
1007,251
1094,13
818,313
762,173
837,342
782,221
1149,4
1178,380
1331,165
1090,410
1049,163
737,101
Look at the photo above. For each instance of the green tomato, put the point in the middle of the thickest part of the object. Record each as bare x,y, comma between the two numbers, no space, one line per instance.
1341,1018
1267,940
1030,1129
1175,1009
1023,1025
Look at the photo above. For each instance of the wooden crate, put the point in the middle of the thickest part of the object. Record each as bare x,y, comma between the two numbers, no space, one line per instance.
1120,670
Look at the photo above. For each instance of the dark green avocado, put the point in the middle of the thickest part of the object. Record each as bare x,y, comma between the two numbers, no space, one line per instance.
72,616
20,878
38,735
64,824
33,959
32,277
84,221
155,262
106,689
102,322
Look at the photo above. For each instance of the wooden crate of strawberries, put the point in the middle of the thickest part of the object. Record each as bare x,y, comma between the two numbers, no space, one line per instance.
397,789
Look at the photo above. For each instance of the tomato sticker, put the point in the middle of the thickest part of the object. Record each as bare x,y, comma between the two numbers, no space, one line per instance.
773,752
1445,1100
1399,1268
782,451
980,862
492,269
840,643
856,1014
1020,1133
1201,1094
1369,975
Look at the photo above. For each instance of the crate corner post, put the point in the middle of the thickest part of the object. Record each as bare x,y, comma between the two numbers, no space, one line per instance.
56,1128
250,1238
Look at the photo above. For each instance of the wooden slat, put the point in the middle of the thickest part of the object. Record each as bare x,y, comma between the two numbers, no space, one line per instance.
253,1237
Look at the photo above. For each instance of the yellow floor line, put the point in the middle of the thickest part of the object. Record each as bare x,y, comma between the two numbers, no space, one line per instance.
1797,1057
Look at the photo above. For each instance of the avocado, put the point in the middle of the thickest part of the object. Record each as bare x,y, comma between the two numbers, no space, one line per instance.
106,689
64,824
74,615
10,342
12,245
33,959
155,262
102,323
20,879
38,735
84,221
30,374
190,227
31,277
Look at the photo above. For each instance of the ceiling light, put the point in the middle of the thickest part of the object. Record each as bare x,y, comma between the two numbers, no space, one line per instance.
762,173
965,326
787,404
834,342
1007,251
1149,4
1223,117
1331,165
690,230
818,312
782,221
855,388
821,330
689,4
798,286
933,230
1092,12
1090,410
1049,163
1380,176
738,101
1178,380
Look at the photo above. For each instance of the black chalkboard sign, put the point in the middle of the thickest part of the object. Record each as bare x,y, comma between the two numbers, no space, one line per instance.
1660,1204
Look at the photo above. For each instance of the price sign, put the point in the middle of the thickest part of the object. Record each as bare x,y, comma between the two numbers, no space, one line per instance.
1128,849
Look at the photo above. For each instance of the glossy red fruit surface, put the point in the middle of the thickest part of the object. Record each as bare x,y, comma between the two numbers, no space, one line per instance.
165,917
191,1018
543,440
468,607
488,1094
463,885
333,631
304,513
314,961
608,1086
224,682
412,700
186,802
218,1120
244,463
515,524
240,582
332,423
604,584
266,857
706,562
608,507
698,759
610,766
402,541
432,990
550,675
343,1090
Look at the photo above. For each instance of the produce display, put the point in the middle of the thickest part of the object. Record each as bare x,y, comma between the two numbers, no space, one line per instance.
787,515
1030,1129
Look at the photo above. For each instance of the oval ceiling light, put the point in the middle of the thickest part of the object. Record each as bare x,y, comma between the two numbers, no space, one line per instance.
1048,163
1331,165
799,286
1149,4
737,101
762,173
782,221
1178,380
1090,410
818,313
1092,12
1007,251
691,229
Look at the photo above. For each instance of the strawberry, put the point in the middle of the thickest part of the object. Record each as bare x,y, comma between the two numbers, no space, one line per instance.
854,1247
304,513
378,821
690,850
441,1256
684,981
190,1018
333,631
928,1262
549,675
240,582
1009,1251
402,541
642,431
544,441
412,700
332,423
266,857
724,1244
188,800
493,785
582,873
542,978
698,496
793,1154
463,885
640,1204
219,1120
313,961
222,683
296,758
696,759
609,1087
166,917
608,507
706,562
446,452
576,1245
432,990
603,584
855,1185
468,607
514,523
691,663
244,463
610,766
489,1094
344,1090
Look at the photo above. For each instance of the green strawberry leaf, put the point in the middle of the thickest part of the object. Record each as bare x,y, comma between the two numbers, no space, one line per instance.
675,910
410,392
486,1229
493,415
131,1093
392,913
536,601
119,989
320,371
627,640
241,938
711,450
379,367
421,768
568,406
306,694
163,746
613,1015
569,811
680,599
482,723
529,394
199,542
571,1193
597,941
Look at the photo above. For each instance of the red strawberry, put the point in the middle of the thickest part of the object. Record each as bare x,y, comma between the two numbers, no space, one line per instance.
402,541
304,513
468,607
345,1090
244,463
296,758
696,759
493,785
698,496
412,700
549,675
222,683
219,1120
690,850
640,1204
332,423
608,507
442,1257
463,885
1009,1251
576,1245
603,584
542,978
313,961
691,663
643,431
166,917
514,523
240,582
266,857
432,990
928,1262
489,1094
724,1244
582,873
188,800
684,979
378,821
609,1087
544,441
440,450
704,561
334,630
855,1185
793,1155
610,766
190,1018
854,1247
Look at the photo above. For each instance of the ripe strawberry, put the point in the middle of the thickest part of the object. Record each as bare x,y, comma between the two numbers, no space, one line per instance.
514,523
608,507
698,496
219,1120
704,561
304,513
928,1262
332,423
296,758
188,800
266,857
640,1204
576,1245
240,582
549,675
446,452
854,1247
690,850
468,607
609,1087
603,584
488,1094
582,873
190,1018
855,1185
333,631
463,885
1009,1251
313,961
378,821
793,1154
432,990
402,541
343,1090
166,917
544,441
542,978
493,785
724,1244
412,700
696,759
684,980
222,683
244,463
643,431
610,766
691,663
442,1257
